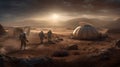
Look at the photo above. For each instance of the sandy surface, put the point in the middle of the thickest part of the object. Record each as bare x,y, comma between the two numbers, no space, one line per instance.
35,49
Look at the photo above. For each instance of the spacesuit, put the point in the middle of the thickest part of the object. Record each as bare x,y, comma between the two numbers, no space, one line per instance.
49,34
41,35
23,40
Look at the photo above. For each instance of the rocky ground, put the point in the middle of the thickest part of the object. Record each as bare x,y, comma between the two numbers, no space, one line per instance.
62,52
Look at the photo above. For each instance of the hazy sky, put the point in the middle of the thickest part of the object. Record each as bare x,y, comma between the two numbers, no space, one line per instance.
22,9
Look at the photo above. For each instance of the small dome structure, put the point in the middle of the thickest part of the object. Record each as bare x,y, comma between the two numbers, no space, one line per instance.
86,32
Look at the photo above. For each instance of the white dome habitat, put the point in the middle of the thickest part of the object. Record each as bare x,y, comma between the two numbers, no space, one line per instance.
86,32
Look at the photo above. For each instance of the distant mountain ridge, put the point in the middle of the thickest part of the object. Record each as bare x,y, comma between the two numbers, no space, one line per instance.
73,23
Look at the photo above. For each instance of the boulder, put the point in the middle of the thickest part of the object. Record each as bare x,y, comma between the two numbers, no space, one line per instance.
104,56
72,47
60,53
2,30
76,53
58,39
31,62
1,61
117,44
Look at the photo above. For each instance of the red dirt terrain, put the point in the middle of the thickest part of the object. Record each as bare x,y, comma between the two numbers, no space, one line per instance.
62,51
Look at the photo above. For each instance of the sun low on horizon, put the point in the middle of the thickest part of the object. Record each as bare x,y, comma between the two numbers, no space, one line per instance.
55,17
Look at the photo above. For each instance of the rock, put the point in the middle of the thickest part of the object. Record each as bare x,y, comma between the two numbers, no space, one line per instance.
105,56
60,39
40,60
32,61
51,42
60,53
2,30
117,44
1,61
76,53
72,47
